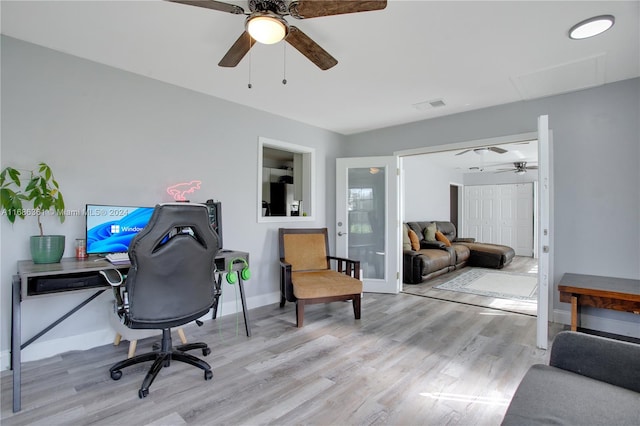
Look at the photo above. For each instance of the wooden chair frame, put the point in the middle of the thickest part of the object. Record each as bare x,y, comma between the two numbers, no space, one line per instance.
342,265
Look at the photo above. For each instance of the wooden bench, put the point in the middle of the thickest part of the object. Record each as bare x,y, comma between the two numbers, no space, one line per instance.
619,294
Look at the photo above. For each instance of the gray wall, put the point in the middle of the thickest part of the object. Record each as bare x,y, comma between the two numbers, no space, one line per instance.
596,158
113,137
426,186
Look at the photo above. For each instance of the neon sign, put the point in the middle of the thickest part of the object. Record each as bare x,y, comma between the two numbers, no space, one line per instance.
180,190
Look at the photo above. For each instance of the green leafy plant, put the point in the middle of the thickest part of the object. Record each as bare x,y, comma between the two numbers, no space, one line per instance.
42,190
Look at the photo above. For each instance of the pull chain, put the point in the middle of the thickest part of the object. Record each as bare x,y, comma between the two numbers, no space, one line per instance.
249,85
284,65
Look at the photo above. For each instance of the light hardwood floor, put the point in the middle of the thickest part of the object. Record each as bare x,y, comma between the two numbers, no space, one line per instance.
409,360
520,265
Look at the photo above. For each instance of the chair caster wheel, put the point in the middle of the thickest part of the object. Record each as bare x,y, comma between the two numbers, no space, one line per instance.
208,375
206,351
142,393
116,374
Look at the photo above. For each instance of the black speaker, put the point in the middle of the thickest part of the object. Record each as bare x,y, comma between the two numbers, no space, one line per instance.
215,217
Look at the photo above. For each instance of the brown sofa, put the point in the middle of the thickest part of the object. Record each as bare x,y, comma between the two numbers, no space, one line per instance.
434,258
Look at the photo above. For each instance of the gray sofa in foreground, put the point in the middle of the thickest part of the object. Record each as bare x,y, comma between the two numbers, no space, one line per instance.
590,380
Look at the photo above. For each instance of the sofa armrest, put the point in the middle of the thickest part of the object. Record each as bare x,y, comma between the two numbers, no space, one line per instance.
411,267
608,360
432,245
465,240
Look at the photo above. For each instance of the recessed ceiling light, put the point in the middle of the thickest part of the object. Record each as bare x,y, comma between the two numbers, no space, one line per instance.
591,27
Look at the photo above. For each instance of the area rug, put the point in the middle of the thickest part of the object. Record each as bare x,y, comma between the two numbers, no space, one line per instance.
503,285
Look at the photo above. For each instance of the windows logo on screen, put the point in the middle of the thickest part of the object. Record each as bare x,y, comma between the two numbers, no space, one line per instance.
115,229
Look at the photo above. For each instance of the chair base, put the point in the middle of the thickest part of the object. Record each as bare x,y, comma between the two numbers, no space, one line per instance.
162,358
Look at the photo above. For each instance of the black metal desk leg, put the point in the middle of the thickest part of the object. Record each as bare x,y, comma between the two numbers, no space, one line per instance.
245,311
15,341
217,291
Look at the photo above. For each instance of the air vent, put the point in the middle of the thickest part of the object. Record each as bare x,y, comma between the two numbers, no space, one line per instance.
434,103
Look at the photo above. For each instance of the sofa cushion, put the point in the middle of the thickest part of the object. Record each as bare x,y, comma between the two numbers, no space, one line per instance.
462,253
549,395
406,242
430,232
447,229
415,242
440,237
434,260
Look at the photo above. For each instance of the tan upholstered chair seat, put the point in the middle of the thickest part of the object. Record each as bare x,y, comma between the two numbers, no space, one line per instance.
327,283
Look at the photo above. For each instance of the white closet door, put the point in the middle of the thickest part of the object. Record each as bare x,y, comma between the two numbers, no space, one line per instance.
500,214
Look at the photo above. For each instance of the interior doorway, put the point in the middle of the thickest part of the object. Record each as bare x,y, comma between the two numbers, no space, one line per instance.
470,158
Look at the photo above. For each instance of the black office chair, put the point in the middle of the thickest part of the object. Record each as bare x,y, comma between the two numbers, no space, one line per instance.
170,283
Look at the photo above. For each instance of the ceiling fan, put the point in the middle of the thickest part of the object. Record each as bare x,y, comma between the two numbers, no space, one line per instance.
266,24
484,150
519,168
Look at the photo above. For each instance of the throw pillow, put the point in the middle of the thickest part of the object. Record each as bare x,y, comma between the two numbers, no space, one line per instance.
430,232
406,242
440,237
415,243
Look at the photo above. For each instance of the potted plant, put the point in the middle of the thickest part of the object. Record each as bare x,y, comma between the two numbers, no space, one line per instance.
43,191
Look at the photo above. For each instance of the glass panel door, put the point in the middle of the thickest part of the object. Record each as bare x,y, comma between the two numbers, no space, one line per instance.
367,219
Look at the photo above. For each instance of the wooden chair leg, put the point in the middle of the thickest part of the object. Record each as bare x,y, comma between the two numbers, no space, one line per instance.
132,348
356,306
117,339
299,313
183,338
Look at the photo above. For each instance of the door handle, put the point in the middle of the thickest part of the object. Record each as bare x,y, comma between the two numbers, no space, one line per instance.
340,233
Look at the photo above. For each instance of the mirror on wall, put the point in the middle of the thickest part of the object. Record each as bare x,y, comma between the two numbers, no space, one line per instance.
285,181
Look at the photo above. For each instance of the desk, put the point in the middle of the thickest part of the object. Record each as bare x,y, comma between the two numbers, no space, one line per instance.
26,285
619,294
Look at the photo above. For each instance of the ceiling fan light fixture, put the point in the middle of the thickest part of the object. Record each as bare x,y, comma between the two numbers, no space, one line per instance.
520,172
267,28
591,27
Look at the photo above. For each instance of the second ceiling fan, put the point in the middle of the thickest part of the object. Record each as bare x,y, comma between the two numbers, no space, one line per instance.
266,24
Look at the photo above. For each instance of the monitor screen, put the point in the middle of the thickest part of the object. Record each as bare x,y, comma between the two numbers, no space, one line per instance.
110,229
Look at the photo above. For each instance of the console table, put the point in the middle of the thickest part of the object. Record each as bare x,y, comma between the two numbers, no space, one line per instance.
619,294
26,284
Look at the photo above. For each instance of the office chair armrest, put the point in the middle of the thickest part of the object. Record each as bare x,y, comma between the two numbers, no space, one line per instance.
112,276
347,266
115,279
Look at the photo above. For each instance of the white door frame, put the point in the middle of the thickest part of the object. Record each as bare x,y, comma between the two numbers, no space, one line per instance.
545,231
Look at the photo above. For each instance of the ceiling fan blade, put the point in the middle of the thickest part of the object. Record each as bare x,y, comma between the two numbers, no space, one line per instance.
497,150
302,9
532,167
240,48
464,152
310,49
212,4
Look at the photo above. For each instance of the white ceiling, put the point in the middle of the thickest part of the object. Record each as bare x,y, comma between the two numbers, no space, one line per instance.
468,161
470,54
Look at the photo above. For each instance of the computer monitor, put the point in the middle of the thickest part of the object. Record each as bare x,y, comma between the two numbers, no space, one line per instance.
110,229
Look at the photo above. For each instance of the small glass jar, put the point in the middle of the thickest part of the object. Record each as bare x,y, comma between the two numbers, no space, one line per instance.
81,248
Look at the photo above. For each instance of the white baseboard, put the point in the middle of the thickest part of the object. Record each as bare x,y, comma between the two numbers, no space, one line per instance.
607,325
48,348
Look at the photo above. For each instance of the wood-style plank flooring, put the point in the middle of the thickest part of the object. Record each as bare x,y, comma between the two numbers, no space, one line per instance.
520,265
409,360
